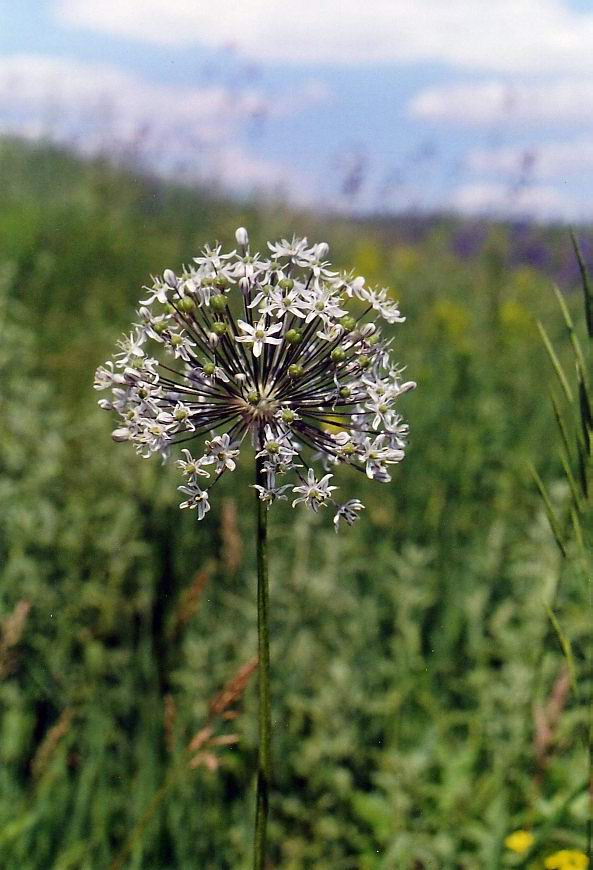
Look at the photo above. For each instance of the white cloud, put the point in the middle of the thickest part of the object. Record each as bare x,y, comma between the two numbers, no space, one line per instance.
100,108
567,100
490,199
541,160
527,36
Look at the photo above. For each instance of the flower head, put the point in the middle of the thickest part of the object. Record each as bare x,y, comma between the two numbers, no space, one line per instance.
284,352
567,859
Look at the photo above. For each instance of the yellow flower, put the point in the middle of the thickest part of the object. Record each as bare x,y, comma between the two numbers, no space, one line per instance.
567,859
519,841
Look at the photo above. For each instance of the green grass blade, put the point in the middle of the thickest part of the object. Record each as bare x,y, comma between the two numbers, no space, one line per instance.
566,647
550,512
555,362
586,284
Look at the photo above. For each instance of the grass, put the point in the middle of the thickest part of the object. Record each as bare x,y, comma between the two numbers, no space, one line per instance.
420,701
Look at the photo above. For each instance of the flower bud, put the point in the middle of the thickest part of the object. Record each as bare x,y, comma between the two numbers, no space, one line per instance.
219,302
121,435
241,236
295,370
219,328
293,336
348,322
186,304
322,250
338,354
170,278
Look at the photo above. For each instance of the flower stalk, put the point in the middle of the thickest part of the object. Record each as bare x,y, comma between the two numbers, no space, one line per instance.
264,714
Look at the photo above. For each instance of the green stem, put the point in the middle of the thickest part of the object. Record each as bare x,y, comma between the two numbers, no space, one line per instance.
263,642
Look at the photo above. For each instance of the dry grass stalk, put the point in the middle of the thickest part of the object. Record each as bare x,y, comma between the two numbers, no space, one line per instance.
11,633
219,708
49,744
546,718
189,601
169,719
203,744
233,690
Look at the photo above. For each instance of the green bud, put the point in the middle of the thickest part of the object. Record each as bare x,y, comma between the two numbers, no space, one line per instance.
373,339
219,328
221,282
142,392
176,340
219,302
338,355
293,336
253,397
267,289
186,304
345,392
207,282
209,368
364,361
160,327
348,322
286,283
295,370
170,308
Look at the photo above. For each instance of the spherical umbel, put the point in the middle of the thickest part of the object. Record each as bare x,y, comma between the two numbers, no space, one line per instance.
282,352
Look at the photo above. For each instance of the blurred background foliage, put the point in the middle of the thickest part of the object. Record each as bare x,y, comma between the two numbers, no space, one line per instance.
422,701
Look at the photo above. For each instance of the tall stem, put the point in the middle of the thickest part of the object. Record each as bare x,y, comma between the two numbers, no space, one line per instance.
263,642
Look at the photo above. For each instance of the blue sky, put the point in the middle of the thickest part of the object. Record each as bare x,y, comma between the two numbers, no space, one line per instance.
456,104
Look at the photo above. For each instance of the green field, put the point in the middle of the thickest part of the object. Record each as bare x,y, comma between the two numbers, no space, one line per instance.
424,706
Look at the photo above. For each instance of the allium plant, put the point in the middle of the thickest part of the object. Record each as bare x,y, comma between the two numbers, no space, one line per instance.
276,351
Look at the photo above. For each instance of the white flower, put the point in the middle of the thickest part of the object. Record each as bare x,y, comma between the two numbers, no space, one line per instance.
322,302
376,454
288,249
189,370
348,512
314,492
280,302
259,334
270,494
197,499
191,467
277,448
221,452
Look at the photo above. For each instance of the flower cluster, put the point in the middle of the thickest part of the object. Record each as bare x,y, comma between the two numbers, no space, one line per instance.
567,859
279,348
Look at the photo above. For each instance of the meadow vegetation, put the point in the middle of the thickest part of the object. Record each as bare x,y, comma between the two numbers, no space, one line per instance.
424,706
